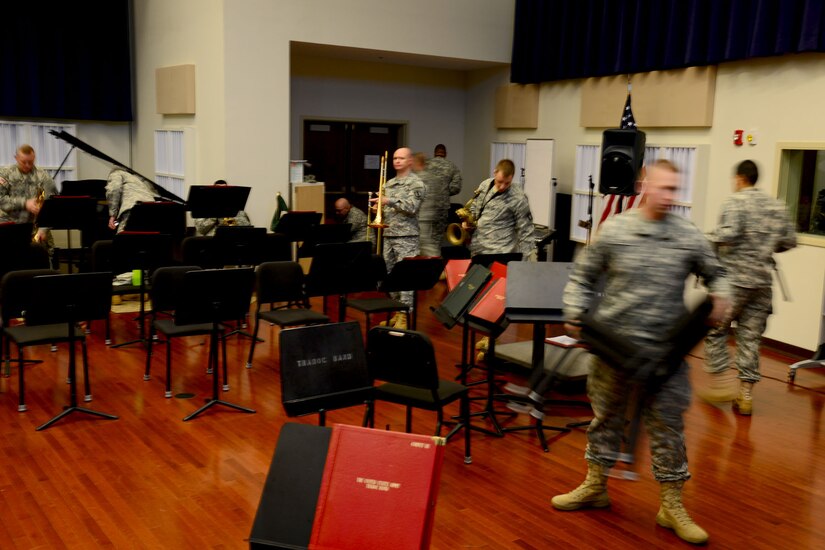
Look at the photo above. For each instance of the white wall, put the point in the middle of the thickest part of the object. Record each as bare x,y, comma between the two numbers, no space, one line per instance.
779,97
178,33
257,60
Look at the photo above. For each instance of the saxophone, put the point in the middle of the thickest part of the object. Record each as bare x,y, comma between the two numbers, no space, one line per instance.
39,199
456,234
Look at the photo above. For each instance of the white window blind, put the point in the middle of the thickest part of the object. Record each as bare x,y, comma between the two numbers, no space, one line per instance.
174,159
50,151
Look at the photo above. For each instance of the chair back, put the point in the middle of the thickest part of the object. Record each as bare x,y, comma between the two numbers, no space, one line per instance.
404,357
16,292
200,251
167,285
280,282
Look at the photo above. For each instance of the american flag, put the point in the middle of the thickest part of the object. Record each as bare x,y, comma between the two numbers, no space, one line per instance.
628,122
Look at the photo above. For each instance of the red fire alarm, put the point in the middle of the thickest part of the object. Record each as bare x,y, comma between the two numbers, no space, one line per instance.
737,137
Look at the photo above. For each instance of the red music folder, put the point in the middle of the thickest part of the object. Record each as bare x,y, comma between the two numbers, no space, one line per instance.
455,270
378,491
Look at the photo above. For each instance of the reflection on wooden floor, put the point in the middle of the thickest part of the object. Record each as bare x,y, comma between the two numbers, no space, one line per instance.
149,480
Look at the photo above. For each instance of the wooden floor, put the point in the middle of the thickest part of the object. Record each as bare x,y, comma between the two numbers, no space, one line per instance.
150,480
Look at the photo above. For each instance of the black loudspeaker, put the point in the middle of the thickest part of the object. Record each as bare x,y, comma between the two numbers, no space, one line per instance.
623,152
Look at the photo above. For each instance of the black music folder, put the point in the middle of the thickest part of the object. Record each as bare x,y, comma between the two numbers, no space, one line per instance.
286,510
536,288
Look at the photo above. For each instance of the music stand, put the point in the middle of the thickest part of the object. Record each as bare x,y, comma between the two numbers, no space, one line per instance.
298,226
146,252
159,217
338,269
213,296
325,233
239,245
487,259
68,299
216,201
84,188
323,368
535,296
68,212
413,274
15,241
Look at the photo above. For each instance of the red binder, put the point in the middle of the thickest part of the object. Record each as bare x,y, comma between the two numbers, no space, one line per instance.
378,491
455,270
488,311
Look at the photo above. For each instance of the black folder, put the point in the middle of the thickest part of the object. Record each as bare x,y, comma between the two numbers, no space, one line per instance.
287,507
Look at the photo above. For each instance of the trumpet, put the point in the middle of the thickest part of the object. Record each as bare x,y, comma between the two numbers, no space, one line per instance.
229,222
377,221
456,234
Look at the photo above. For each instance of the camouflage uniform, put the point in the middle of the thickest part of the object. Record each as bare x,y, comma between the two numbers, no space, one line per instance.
504,222
206,226
358,220
401,237
646,264
16,188
123,191
442,179
752,227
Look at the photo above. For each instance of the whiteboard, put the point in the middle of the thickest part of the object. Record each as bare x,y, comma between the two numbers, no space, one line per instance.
538,181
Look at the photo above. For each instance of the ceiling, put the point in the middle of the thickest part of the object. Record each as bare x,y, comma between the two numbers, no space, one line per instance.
393,58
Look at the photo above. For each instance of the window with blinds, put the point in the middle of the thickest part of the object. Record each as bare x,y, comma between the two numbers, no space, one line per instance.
50,152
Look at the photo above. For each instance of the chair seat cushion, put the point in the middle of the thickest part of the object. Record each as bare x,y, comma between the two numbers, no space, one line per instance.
27,335
448,391
376,305
294,316
169,328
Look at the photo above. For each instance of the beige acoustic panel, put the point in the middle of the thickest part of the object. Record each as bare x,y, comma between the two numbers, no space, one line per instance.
175,90
517,106
676,98
308,197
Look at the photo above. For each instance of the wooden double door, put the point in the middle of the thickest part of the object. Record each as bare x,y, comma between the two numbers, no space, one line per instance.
345,155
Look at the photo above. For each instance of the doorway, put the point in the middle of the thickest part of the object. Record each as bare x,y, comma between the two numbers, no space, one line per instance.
345,155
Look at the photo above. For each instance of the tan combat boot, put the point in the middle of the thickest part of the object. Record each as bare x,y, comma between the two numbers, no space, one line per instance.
592,493
744,401
483,344
672,514
721,387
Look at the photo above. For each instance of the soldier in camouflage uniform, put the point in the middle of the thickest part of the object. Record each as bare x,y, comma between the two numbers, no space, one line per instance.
401,201
646,255
503,220
205,227
752,227
345,212
20,186
442,179
123,191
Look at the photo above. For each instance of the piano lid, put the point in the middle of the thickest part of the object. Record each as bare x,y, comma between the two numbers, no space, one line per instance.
83,146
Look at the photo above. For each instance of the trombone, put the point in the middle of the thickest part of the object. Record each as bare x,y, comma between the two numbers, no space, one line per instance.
377,221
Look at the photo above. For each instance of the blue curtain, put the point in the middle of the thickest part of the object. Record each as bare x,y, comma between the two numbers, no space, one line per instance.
66,60
561,39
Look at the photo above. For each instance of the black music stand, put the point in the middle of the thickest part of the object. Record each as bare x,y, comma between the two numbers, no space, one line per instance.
323,368
414,274
325,233
68,299
15,243
453,310
487,259
213,296
216,201
84,188
298,226
146,252
68,212
338,269
239,245
535,296
159,217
